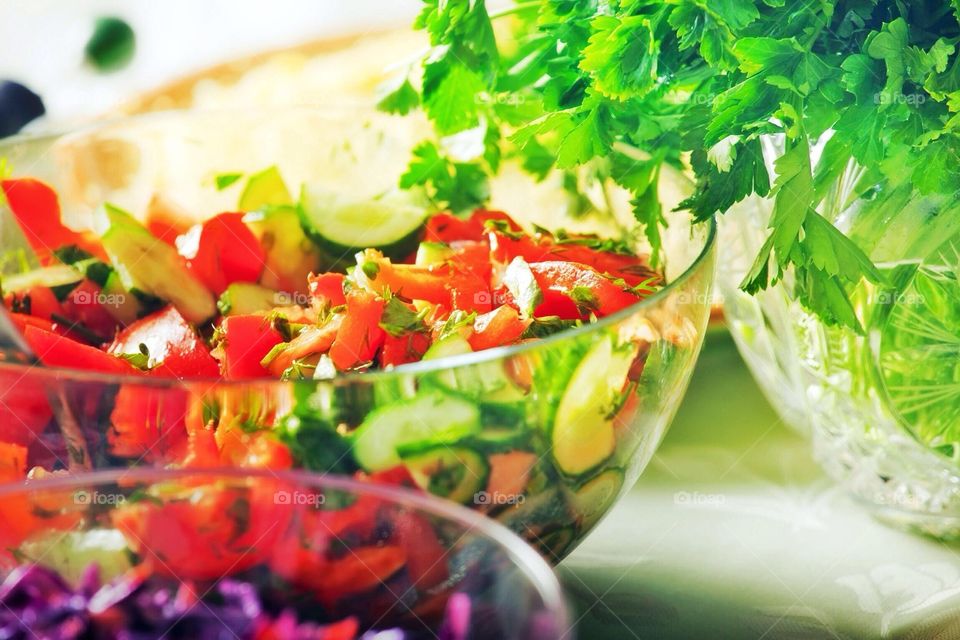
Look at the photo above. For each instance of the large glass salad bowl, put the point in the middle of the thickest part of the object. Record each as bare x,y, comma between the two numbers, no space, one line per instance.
257,556
544,435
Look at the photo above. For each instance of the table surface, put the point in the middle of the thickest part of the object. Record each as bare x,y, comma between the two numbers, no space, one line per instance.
732,532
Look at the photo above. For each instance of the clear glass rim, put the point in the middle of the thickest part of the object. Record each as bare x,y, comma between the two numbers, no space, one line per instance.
423,366
535,569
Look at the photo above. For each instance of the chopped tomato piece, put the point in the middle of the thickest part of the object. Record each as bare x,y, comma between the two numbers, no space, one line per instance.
398,350
473,257
13,462
148,423
83,305
24,409
39,302
209,532
329,287
59,351
501,326
360,335
481,217
590,291
446,227
171,342
166,220
225,252
246,340
360,570
426,557
37,210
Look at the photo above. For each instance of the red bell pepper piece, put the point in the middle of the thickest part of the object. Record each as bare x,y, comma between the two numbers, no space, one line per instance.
328,287
310,341
499,327
37,210
246,340
59,351
601,296
360,335
171,342
226,251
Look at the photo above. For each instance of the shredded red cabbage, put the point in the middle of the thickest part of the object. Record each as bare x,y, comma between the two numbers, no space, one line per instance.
36,602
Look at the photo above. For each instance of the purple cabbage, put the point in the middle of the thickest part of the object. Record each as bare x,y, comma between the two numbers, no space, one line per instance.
36,603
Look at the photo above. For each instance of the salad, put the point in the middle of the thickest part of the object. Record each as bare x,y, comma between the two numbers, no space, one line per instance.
264,292
140,560
194,322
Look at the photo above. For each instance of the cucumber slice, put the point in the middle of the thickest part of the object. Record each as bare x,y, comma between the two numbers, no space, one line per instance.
245,298
582,435
502,440
433,253
145,263
390,223
455,473
72,552
595,497
264,189
57,275
428,418
290,255
487,380
126,307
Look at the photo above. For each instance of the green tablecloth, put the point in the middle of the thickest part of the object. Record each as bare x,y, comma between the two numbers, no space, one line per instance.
733,532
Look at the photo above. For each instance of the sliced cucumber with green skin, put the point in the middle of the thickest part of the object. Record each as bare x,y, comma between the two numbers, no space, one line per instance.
391,223
143,262
509,415
595,497
502,440
487,380
290,255
430,417
57,275
582,435
125,307
246,298
433,253
455,473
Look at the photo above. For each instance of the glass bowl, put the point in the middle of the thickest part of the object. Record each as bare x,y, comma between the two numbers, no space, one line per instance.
882,408
228,553
544,436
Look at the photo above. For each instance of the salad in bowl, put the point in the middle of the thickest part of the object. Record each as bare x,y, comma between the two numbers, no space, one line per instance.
189,308
261,556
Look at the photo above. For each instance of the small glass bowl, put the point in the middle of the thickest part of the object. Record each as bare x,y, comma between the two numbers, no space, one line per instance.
321,549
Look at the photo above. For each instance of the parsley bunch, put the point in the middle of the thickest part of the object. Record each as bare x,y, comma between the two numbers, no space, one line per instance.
615,88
